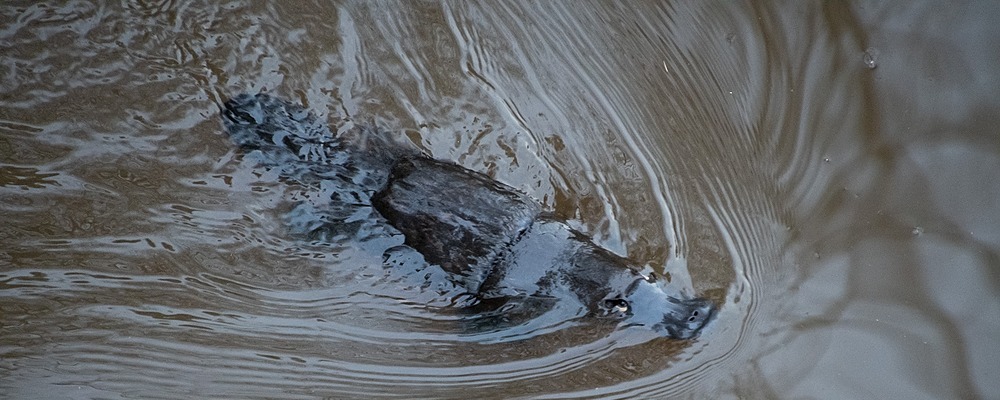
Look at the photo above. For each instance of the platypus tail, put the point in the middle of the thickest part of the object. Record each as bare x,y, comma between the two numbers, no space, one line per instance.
286,135
284,132
343,170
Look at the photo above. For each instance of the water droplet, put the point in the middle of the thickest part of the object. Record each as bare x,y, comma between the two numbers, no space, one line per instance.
871,57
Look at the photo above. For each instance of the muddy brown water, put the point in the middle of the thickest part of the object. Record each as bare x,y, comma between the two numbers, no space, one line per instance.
826,172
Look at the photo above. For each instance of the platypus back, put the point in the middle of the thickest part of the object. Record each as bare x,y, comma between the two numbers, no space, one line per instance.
459,219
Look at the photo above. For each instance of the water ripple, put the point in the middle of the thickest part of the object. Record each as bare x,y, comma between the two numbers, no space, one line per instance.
744,151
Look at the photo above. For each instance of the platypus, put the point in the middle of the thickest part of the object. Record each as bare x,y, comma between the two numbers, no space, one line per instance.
495,240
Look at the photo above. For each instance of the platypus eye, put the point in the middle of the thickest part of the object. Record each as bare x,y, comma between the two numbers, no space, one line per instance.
616,305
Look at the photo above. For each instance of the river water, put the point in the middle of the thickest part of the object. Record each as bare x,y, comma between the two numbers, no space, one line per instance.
826,172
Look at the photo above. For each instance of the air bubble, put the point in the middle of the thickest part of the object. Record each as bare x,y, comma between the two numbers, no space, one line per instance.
871,57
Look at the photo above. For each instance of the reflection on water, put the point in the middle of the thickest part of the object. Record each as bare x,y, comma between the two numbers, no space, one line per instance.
823,171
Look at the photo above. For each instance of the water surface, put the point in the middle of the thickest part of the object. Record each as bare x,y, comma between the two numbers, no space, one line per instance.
825,172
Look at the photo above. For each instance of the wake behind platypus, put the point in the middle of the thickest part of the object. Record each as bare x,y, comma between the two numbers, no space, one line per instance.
495,240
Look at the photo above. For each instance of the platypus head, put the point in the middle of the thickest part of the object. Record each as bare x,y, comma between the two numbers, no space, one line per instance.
644,303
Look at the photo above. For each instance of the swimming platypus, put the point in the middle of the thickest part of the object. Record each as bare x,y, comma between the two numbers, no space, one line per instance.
498,242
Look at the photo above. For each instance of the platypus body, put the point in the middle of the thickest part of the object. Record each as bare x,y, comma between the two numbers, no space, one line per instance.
495,240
